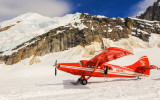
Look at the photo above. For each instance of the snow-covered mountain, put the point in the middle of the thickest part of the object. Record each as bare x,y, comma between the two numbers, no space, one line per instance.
32,34
27,26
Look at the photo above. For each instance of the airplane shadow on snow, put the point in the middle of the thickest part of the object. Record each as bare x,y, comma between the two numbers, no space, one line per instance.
66,84
69,85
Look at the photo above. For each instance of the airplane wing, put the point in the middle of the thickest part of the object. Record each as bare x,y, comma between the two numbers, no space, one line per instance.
109,54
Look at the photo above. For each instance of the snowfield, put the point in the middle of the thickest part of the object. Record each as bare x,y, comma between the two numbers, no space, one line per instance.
37,82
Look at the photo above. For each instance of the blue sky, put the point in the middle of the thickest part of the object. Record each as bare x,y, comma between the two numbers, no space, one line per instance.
57,8
109,8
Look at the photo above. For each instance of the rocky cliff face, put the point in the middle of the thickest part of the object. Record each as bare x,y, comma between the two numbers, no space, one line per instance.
89,29
152,13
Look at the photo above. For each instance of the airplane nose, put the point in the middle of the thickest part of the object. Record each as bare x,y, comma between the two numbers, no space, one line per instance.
58,65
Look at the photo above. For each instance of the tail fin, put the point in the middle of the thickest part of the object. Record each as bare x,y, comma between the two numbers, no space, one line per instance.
144,61
145,67
141,66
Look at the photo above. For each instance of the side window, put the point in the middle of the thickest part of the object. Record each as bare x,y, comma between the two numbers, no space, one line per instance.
98,66
81,63
110,68
91,65
87,65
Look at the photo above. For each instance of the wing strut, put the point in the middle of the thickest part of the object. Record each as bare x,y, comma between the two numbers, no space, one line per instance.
95,67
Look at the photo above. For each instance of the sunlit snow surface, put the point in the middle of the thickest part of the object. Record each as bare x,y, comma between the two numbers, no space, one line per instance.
37,82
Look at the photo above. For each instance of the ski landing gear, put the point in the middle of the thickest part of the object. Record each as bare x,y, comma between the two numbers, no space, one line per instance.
138,78
81,80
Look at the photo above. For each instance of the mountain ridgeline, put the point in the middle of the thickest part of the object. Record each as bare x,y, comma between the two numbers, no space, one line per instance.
152,13
90,29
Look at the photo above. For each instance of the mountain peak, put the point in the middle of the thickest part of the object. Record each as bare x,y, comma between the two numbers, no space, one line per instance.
30,25
152,12
23,17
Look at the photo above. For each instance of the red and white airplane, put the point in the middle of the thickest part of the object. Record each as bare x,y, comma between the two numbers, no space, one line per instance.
98,66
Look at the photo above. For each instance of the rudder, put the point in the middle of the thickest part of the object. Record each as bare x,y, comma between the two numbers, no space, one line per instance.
143,67
144,61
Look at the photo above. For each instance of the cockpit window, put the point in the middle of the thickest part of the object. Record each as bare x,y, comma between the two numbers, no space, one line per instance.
81,63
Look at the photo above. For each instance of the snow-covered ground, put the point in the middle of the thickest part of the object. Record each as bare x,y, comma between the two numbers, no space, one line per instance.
37,82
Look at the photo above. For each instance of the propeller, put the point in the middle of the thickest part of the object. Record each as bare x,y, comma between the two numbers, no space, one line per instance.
55,67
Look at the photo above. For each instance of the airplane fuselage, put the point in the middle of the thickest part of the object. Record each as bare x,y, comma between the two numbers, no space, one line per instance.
111,71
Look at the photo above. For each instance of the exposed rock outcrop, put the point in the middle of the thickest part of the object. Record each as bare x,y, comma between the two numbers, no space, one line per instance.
34,60
8,27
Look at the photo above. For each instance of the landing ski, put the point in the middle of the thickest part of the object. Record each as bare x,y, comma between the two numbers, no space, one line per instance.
75,83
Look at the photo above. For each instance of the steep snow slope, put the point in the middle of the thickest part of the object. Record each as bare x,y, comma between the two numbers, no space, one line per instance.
37,82
31,25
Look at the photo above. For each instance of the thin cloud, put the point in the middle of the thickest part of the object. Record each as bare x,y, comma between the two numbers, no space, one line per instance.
51,8
141,7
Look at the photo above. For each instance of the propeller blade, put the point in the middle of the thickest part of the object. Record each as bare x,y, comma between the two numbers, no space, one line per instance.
55,71
55,67
56,63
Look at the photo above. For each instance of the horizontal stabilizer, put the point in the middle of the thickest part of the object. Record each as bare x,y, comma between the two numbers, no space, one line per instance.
148,67
142,66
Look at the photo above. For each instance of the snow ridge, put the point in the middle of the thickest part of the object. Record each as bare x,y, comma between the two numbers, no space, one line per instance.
32,25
